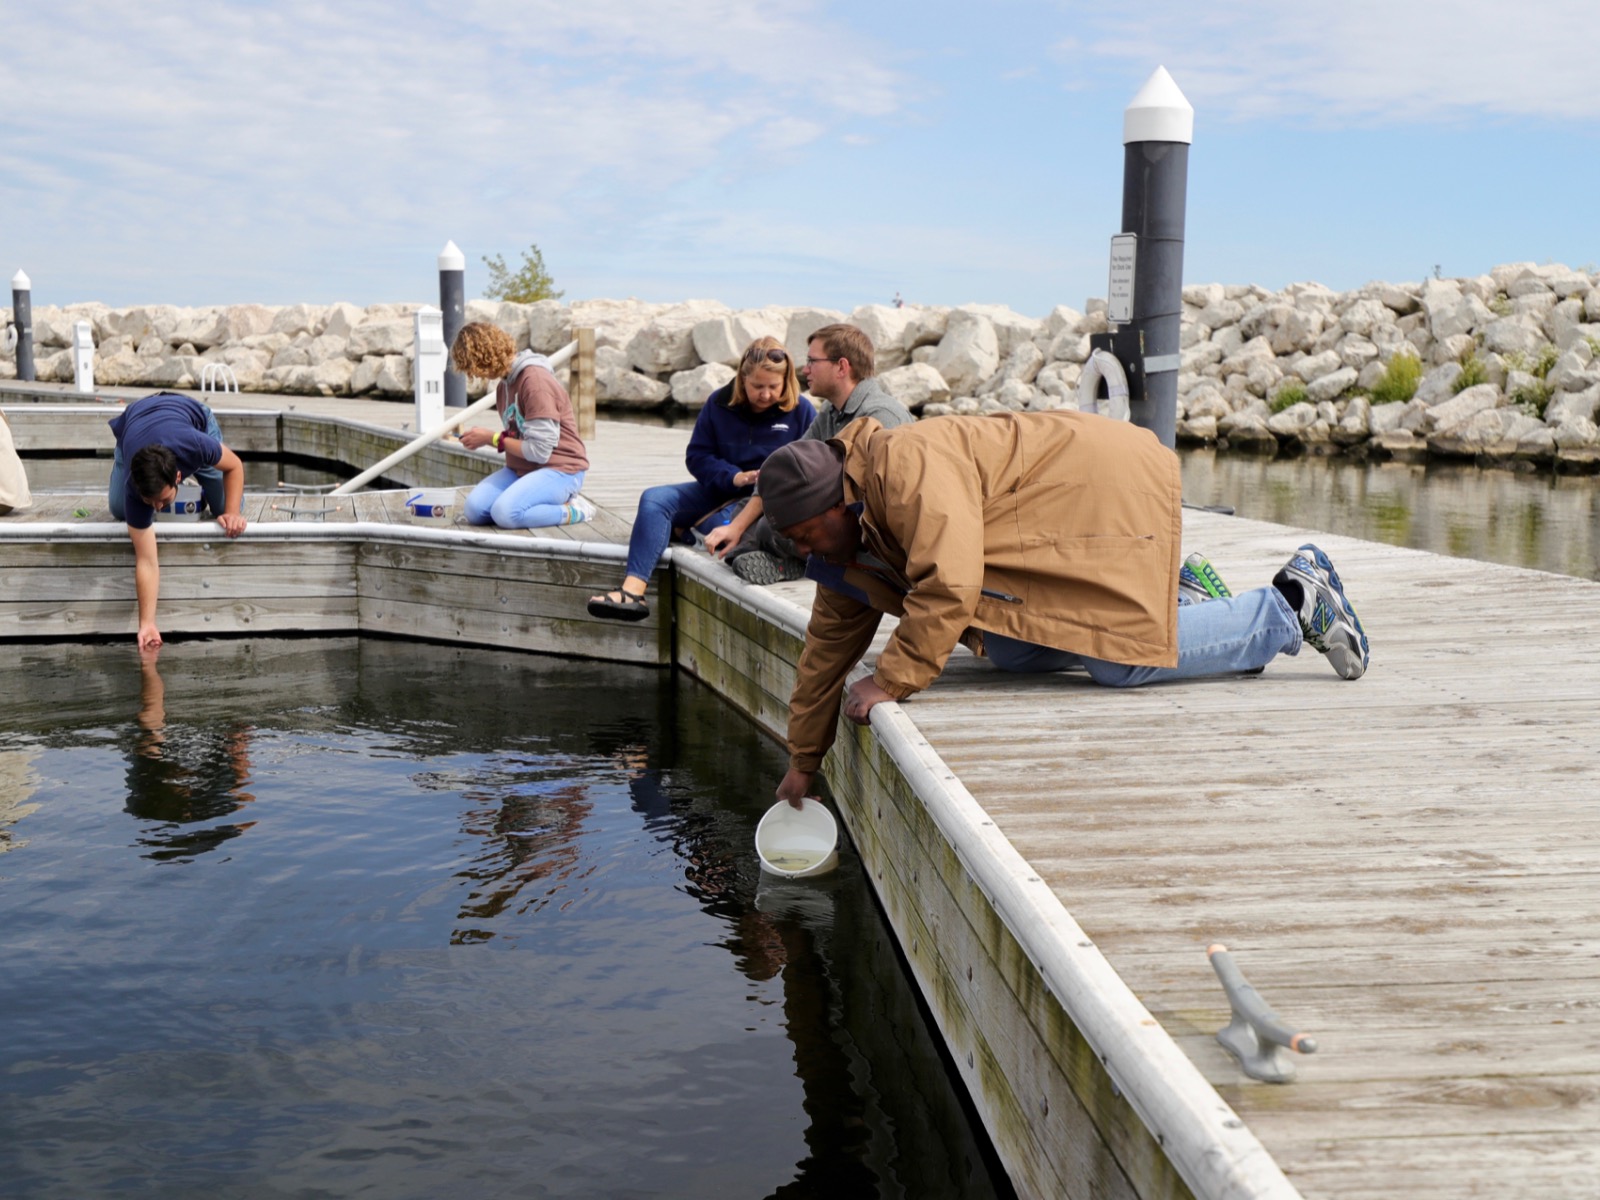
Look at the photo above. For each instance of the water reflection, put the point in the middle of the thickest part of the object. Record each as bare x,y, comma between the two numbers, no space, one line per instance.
1548,522
498,928
179,777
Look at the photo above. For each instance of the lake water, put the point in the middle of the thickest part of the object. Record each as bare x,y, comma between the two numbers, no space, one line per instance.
1549,522
86,473
341,917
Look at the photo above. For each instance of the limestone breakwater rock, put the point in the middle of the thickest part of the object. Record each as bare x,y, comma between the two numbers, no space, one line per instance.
1500,366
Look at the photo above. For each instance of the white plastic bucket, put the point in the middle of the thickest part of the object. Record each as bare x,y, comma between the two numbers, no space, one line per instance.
797,843
431,504
185,506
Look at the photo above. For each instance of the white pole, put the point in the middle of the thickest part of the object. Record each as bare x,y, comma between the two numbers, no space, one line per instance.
83,356
427,368
559,358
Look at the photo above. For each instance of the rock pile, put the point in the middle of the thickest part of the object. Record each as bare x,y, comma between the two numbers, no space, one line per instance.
1501,365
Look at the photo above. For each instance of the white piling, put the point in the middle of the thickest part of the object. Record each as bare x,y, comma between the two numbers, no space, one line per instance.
428,367
83,356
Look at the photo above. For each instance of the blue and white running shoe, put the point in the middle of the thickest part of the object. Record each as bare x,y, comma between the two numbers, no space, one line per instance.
1327,618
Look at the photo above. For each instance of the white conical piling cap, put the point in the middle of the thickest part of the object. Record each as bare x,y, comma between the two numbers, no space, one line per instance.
20,281
451,258
1159,113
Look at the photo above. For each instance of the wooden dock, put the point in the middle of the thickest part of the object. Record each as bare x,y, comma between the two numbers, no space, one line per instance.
1406,866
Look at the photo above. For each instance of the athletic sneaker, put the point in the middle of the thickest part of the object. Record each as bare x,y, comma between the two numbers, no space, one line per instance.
578,510
1312,587
1199,580
757,566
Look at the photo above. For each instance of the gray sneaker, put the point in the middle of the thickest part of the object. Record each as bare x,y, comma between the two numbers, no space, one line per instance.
1199,580
1327,618
757,566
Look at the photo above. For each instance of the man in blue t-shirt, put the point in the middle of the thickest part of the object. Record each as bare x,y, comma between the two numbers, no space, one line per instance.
162,440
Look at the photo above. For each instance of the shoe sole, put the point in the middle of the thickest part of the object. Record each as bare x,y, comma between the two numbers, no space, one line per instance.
762,569
1346,661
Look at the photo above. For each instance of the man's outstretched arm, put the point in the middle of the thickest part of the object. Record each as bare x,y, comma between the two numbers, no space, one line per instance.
146,583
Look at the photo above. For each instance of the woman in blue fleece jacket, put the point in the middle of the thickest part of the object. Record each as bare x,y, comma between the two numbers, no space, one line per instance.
741,423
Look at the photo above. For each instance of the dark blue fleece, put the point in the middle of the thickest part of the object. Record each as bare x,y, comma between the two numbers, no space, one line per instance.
729,440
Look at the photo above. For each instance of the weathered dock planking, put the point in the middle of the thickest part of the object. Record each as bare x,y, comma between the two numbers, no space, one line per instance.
1405,866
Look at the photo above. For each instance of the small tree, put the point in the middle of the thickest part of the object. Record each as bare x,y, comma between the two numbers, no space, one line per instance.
529,284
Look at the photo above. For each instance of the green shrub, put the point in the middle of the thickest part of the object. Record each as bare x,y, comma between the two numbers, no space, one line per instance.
1500,306
531,282
1473,372
1533,398
1289,394
1399,381
1544,360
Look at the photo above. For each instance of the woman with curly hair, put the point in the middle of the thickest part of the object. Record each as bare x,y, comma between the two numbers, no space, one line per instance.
742,422
545,459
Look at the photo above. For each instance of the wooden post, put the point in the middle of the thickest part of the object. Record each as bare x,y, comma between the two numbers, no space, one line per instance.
583,388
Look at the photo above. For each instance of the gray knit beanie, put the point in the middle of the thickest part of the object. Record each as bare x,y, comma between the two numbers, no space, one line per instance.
801,480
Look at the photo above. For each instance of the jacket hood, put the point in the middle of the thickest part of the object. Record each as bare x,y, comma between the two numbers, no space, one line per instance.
524,360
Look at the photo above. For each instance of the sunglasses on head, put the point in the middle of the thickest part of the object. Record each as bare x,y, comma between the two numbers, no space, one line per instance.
770,353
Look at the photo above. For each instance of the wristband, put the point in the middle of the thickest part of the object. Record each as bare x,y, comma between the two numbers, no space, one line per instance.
496,440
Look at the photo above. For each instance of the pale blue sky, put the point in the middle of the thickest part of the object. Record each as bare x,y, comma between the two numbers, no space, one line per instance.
812,152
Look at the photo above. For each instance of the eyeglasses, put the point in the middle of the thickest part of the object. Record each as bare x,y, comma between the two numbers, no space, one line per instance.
770,353
811,362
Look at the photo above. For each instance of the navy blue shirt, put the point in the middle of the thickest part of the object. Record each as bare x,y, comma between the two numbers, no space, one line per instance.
165,419
728,440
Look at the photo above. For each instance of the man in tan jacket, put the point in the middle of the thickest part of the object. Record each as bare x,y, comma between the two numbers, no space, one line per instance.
1045,541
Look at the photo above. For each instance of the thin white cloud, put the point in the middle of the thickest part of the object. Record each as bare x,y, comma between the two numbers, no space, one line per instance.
1358,61
342,127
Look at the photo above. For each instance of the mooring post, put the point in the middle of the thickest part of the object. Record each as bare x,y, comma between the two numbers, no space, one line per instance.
453,302
1147,257
1255,1035
428,367
83,356
22,318
583,383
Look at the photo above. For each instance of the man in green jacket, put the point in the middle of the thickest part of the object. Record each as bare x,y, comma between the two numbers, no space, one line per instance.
1045,541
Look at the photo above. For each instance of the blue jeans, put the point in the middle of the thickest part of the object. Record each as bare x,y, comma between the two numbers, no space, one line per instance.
209,479
1218,637
661,510
530,501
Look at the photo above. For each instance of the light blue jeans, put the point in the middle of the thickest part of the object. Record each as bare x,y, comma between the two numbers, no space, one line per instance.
530,501
1218,637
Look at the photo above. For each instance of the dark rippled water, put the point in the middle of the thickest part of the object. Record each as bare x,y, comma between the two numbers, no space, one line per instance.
341,918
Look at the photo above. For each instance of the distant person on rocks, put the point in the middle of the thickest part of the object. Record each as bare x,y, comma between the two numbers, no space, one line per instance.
1044,541
840,368
741,423
161,441
545,458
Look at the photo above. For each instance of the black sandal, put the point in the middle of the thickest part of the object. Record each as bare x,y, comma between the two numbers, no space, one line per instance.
629,608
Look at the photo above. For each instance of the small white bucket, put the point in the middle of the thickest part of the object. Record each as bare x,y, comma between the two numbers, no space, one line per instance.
431,504
798,843
185,506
